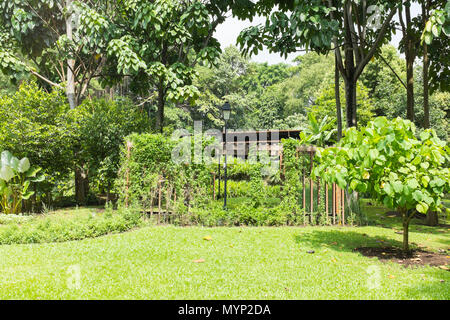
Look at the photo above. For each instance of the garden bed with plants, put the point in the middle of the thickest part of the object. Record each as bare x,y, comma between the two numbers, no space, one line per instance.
66,225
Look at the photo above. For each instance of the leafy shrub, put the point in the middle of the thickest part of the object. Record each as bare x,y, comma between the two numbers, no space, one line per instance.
34,124
100,127
57,229
149,167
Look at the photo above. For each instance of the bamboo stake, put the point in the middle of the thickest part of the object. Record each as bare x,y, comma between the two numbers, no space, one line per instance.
333,199
127,186
343,206
159,201
311,183
326,199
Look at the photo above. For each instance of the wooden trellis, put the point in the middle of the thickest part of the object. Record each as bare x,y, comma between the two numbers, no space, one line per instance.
337,208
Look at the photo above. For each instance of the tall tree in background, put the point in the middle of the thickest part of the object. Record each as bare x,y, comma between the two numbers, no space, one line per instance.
50,39
436,60
408,44
324,26
157,44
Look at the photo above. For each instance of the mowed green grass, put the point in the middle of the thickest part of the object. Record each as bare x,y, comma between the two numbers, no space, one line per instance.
239,263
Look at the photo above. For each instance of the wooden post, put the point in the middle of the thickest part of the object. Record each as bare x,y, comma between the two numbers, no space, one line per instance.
159,200
343,206
326,199
311,182
304,188
338,204
332,204
214,186
318,193
151,203
127,186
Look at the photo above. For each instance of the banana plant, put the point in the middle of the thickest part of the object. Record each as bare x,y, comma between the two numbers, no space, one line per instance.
15,179
318,133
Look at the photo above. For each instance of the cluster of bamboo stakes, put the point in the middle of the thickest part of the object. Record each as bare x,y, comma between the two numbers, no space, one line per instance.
338,194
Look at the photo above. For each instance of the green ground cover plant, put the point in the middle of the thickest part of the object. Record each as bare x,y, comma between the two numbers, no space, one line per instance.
67,225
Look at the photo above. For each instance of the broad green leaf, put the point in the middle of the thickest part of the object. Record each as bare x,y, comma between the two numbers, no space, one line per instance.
412,183
422,207
27,195
397,186
6,158
38,178
24,165
14,163
6,173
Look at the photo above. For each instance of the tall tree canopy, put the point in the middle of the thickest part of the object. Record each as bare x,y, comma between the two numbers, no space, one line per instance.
358,28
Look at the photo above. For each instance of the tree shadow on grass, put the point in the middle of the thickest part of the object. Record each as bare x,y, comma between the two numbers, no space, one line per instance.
344,240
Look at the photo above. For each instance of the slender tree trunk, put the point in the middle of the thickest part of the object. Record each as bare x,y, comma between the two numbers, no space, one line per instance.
410,83
405,237
70,86
410,56
338,99
432,218
405,218
426,65
81,185
160,113
350,97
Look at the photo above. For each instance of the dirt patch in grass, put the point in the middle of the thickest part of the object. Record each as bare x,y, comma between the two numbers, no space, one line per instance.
416,258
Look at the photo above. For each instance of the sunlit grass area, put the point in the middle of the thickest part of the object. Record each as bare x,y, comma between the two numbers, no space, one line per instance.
167,262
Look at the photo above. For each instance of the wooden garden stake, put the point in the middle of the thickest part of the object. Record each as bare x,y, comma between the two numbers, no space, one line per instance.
127,186
311,182
214,186
333,199
159,200
343,206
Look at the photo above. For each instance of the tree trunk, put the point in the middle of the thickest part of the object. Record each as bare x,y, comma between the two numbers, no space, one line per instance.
350,97
410,55
410,83
426,105
406,219
338,98
160,113
70,86
405,237
432,218
426,65
81,186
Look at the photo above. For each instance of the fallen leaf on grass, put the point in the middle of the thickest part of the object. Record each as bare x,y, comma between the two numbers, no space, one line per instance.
391,276
199,260
444,267
207,238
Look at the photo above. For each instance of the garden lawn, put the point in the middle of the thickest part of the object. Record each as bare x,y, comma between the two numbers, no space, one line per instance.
239,263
